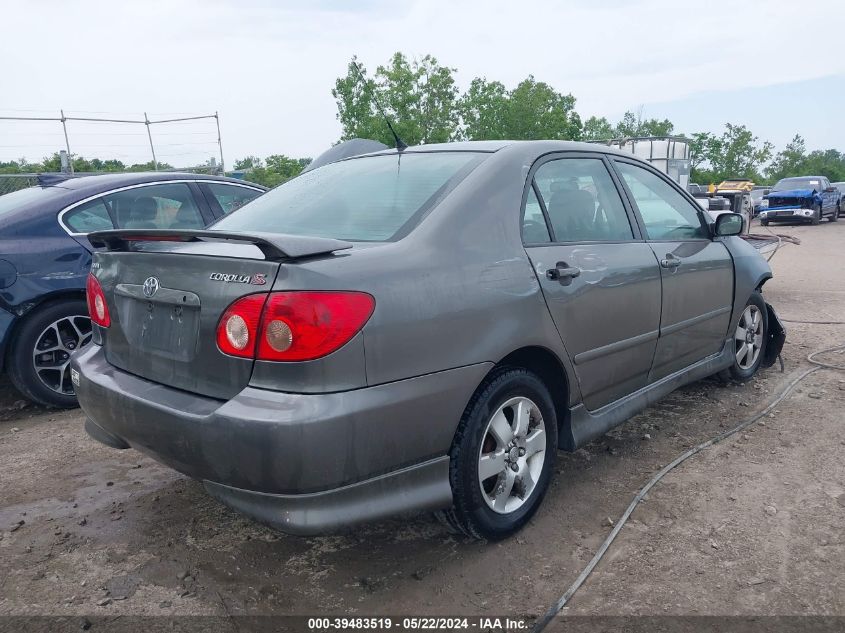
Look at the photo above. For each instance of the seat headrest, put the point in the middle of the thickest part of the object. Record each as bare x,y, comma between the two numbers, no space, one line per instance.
144,209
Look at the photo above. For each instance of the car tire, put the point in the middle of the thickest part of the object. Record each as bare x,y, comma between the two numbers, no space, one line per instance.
834,216
817,215
58,329
509,430
764,223
743,367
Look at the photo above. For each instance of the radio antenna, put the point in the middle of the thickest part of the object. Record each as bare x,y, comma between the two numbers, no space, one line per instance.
400,144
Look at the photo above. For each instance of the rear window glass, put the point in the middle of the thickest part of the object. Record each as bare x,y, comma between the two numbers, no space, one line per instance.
375,198
17,199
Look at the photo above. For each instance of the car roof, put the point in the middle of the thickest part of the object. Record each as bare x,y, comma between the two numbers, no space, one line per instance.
103,182
535,147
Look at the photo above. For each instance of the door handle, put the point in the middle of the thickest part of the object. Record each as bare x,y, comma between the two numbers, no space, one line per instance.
670,261
563,272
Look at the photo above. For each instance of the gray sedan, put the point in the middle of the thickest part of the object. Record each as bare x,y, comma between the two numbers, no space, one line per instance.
416,330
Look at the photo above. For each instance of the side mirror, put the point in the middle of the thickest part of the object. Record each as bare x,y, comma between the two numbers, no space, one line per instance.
830,190
729,224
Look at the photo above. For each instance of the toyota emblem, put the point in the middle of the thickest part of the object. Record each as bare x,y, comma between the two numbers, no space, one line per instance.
150,286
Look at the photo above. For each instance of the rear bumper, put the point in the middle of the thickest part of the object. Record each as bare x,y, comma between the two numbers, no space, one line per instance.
305,463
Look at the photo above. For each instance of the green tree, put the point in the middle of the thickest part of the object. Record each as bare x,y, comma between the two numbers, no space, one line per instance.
419,97
248,162
633,125
598,129
737,153
532,110
483,110
789,161
828,162
272,171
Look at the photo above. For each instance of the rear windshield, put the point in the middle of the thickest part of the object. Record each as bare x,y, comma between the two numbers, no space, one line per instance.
788,184
374,198
17,199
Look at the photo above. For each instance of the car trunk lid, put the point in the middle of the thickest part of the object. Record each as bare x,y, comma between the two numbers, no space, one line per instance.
166,292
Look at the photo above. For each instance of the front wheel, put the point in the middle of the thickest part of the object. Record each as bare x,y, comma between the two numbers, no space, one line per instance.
750,339
764,222
835,215
39,359
817,216
503,454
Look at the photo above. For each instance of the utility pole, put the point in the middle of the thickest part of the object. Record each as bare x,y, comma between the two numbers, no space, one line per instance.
150,136
220,145
67,143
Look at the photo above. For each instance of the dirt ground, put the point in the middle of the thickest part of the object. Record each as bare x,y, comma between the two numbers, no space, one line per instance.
752,526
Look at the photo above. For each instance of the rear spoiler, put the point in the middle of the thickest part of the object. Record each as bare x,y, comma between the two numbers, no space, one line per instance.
272,245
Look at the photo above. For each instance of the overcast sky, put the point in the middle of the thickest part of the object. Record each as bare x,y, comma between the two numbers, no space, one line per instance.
268,66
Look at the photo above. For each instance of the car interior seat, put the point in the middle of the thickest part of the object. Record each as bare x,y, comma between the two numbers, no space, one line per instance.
187,217
142,213
572,212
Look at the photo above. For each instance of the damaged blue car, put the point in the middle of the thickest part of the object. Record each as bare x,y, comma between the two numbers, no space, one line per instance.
805,198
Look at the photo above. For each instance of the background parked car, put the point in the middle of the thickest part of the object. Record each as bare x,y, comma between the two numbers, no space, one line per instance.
841,187
45,257
759,200
804,198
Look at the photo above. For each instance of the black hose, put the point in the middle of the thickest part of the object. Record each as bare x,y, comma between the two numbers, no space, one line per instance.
561,602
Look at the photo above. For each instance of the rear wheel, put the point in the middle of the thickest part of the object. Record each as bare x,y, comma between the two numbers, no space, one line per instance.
39,359
502,456
750,339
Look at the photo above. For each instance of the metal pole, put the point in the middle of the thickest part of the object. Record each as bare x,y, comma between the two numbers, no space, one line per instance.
67,143
150,136
220,144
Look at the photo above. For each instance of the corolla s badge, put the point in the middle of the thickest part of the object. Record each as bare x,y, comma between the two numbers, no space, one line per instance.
150,286
258,279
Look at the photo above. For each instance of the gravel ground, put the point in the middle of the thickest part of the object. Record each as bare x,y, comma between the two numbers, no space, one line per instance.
752,526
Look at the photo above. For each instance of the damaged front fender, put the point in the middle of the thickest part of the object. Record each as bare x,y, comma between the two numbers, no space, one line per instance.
776,337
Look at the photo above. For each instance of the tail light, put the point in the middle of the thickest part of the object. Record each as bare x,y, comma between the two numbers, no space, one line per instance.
237,331
292,326
98,309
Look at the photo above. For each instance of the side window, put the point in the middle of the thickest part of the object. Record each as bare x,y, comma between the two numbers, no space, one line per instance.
89,217
534,229
231,197
165,206
666,213
582,201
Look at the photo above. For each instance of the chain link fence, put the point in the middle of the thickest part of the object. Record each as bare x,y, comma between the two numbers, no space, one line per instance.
13,182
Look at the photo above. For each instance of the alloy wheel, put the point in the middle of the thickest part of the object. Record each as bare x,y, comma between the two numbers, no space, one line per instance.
512,454
53,347
749,337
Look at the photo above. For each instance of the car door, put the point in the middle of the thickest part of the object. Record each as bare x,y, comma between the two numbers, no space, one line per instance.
829,197
696,271
600,280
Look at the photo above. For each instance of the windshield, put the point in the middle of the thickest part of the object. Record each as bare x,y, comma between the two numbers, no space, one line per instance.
17,199
798,183
374,198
